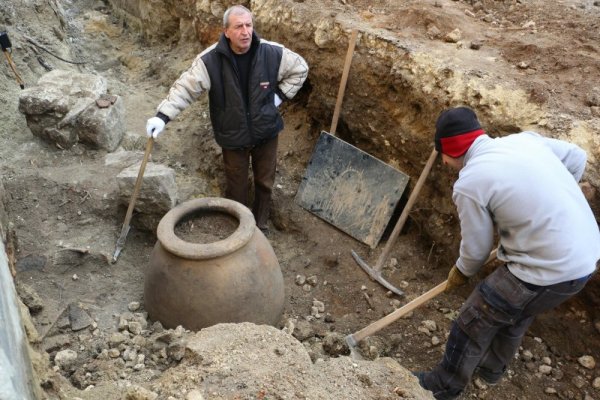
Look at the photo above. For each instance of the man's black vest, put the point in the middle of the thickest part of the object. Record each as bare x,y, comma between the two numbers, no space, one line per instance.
236,125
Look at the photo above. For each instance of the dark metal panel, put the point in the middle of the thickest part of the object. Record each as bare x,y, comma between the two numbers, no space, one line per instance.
350,189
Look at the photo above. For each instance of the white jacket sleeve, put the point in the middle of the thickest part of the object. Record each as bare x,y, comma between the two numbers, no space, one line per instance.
572,156
477,234
293,71
187,88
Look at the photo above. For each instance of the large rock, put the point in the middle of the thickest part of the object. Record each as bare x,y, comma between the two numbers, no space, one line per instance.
158,192
62,108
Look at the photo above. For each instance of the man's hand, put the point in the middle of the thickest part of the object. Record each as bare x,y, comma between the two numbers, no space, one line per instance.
154,127
455,279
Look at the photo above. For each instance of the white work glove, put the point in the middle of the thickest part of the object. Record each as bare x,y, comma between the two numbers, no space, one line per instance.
154,127
277,100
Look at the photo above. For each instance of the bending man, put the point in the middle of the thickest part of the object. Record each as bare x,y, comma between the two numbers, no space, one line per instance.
526,186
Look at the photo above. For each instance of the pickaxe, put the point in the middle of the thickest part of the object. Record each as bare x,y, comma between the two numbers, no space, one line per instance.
375,272
353,339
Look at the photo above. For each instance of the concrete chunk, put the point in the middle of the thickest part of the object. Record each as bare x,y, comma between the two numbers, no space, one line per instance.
158,193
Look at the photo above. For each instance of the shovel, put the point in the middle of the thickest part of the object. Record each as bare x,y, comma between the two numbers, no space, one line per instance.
375,272
353,339
6,49
347,187
136,190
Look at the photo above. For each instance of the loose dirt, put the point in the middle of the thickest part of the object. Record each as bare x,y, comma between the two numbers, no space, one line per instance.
206,227
65,212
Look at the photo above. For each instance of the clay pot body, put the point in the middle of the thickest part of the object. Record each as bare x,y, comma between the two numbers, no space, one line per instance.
196,285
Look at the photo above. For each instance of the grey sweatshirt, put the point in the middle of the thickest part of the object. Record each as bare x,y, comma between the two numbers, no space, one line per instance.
527,186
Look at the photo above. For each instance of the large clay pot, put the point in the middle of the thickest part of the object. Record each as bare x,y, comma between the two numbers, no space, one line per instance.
196,285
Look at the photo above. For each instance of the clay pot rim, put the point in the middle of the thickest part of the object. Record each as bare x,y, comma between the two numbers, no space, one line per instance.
202,251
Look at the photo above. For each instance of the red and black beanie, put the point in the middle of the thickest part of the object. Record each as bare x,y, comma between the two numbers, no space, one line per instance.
455,131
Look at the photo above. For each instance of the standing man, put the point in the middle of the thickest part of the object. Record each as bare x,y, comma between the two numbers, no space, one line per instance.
526,186
246,78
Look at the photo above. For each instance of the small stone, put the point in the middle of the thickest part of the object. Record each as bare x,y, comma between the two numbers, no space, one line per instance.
314,311
65,358
476,45
527,355
78,317
435,340
139,393
133,306
454,36
123,324
545,369
424,330
529,24
433,32
578,381
557,374
546,360
596,383
587,362
114,353
75,277
194,395
312,280
116,339
319,305
176,350
479,384
430,325
300,280
550,390
135,327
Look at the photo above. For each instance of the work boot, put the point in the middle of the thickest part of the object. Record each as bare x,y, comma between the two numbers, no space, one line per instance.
490,378
440,395
420,376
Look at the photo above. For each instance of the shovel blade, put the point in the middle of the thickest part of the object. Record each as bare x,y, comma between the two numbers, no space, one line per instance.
120,243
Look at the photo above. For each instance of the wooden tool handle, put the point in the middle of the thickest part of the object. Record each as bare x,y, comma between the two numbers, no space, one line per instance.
342,89
14,69
138,181
405,309
407,208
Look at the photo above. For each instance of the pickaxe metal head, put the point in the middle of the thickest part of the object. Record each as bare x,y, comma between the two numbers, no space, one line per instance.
376,275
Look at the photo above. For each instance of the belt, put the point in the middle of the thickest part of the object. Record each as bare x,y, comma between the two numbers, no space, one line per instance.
531,286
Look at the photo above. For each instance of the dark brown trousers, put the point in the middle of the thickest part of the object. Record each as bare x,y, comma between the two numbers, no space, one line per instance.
264,163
